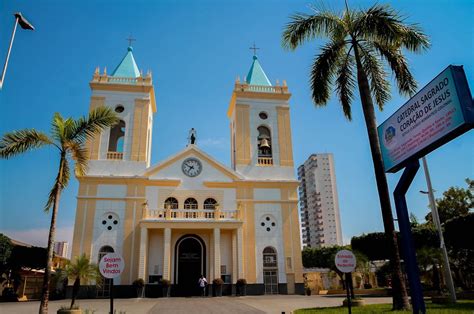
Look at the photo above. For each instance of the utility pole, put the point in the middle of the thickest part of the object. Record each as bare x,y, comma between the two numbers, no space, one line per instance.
437,223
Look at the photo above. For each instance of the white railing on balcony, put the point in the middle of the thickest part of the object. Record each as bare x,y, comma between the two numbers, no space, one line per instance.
265,161
261,88
191,214
114,155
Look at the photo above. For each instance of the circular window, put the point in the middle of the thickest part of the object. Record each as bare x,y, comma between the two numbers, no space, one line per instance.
119,109
263,115
110,221
268,223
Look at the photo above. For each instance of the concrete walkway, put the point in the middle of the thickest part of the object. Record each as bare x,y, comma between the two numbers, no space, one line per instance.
249,304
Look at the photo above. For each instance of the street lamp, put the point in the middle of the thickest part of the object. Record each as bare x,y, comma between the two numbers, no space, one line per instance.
19,19
437,223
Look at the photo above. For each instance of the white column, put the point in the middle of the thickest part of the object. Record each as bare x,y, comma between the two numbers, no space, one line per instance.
143,253
234,257
166,253
217,253
240,249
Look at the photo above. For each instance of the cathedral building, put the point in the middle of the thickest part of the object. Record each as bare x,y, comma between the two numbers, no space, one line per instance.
190,214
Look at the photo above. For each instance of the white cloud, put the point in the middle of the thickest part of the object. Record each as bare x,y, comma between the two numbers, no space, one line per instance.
213,142
39,237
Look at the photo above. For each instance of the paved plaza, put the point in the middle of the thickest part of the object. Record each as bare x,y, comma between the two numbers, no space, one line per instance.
194,305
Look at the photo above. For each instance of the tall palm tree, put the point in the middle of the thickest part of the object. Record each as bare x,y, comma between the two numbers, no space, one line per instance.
69,136
81,270
360,45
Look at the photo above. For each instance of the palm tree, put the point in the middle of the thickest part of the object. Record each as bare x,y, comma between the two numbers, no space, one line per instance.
69,136
81,270
360,43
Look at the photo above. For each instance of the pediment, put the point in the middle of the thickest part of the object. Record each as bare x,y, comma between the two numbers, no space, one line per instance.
171,168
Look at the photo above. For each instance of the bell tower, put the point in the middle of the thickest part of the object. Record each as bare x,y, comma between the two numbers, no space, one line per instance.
125,148
261,145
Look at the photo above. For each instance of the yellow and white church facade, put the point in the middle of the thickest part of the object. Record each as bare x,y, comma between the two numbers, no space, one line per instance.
190,214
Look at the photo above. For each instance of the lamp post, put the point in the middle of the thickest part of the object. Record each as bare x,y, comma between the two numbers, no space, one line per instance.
19,19
437,223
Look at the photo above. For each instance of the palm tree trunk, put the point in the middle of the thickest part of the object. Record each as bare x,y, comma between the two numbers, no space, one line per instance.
52,232
399,292
75,290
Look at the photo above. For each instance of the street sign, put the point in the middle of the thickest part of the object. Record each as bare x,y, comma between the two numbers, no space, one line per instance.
111,265
345,261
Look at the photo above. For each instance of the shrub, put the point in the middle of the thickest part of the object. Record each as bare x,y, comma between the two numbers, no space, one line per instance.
218,282
241,282
165,282
138,283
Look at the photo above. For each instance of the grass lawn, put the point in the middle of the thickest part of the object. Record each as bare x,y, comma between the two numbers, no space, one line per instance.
463,306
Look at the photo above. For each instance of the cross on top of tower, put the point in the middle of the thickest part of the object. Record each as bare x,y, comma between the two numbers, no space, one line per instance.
254,48
130,40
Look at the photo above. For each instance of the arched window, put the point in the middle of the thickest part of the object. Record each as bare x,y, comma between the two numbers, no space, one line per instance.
117,133
103,290
264,141
190,203
210,203
270,270
269,257
171,202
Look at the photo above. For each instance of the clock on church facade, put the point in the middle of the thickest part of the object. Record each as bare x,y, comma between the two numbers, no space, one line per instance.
191,214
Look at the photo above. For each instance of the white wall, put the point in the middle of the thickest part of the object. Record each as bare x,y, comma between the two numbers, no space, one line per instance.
226,253
155,253
273,238
102,236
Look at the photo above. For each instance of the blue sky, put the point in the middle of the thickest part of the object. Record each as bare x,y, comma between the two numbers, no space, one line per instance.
195,50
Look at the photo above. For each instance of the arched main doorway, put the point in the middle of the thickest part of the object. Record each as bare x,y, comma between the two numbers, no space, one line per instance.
190,263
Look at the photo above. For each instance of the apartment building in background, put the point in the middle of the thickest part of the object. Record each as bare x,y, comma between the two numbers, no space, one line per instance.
319,204
61,248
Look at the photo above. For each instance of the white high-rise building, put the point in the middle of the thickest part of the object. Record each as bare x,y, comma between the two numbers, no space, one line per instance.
319,204
60,248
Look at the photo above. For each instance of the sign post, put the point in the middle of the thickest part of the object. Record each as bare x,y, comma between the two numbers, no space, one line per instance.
111,266
438,113
345,261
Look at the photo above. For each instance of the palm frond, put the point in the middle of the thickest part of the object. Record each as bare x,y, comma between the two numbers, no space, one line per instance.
379,85
405,81
61,181
323,69
345,84
97,120
381,23
57,127
82,268
17,142
414,39
69,128
79,153
304,27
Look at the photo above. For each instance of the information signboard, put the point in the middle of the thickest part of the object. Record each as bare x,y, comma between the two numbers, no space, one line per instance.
439,112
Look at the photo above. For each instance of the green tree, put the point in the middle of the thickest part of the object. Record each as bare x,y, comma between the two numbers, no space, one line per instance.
359,42
6,247
69,136
457,233
455,202
81,270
